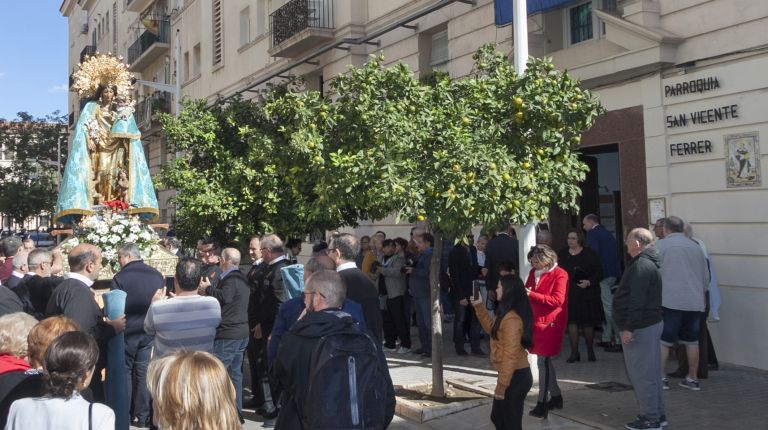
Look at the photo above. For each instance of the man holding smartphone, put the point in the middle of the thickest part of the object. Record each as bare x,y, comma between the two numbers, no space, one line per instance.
463,269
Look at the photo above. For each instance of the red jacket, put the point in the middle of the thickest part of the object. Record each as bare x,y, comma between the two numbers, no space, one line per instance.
549,303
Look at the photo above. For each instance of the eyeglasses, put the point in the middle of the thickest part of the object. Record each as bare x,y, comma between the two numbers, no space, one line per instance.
305,294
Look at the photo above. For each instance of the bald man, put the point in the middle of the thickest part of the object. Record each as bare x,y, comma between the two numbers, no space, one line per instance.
232,292
75,299
637,314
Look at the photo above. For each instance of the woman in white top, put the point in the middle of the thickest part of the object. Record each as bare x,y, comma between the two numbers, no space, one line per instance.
68,367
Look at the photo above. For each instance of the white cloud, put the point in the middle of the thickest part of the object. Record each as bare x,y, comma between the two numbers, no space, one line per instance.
63,88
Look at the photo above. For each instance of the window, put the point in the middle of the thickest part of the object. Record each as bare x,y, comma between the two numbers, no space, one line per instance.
196,61
580,22
187,75
245,26
438,58
261,17
218,33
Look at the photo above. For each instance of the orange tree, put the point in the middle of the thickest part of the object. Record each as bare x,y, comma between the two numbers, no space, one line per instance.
489,148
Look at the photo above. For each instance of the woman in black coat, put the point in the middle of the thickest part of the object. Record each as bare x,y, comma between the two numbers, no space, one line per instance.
585,310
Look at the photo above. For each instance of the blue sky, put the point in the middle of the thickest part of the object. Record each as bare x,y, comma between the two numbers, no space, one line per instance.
33,65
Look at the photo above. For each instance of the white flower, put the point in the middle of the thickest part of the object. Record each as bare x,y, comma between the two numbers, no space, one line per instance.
102,229
114,239
145,235
135,228
132,238
109,253
117,229
92,238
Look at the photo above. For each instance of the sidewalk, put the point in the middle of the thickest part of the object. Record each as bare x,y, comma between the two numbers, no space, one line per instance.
732,398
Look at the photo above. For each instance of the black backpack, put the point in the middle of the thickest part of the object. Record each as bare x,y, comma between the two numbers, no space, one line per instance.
348,384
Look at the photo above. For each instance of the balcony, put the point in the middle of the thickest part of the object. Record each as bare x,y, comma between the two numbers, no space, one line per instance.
159,101
138,5
300,25
149,47
87,51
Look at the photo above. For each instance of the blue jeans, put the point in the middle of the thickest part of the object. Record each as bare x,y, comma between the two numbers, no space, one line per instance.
423,306
610,331
230,352
138,349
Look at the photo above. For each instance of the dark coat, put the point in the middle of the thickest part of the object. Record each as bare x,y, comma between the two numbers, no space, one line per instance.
289,313
263,303
39,290
292,366
361,290
463,268
9,302
604,244
140,282
420,276
73,299
637,301
233,293
500,249
12,282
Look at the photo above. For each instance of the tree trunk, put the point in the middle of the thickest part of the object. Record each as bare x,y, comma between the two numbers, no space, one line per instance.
438,388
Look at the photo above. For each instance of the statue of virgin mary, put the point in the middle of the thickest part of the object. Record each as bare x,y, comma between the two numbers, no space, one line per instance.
106,164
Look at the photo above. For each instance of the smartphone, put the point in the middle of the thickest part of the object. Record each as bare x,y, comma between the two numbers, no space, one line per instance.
476,290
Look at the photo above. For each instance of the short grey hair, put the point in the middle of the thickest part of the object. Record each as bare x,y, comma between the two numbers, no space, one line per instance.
129,250
319,263
642,236
20,260
10,245
347,245
329,284
14,329
37,257
273,243
231,256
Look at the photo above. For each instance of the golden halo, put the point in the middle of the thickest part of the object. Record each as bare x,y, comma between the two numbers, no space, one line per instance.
102,69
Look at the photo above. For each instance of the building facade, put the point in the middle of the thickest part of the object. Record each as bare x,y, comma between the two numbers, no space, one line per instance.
682,81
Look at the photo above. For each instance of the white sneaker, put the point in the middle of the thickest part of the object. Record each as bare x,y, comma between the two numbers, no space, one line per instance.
403,350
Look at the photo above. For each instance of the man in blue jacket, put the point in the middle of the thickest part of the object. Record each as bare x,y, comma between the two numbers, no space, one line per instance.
420,290
140,282
603,243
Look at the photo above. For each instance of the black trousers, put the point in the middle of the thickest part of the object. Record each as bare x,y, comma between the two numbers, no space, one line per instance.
507,414
260,383
396,320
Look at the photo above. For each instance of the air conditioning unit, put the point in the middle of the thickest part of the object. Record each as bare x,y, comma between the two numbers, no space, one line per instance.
84,28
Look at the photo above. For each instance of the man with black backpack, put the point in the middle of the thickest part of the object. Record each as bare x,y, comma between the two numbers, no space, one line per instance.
333,375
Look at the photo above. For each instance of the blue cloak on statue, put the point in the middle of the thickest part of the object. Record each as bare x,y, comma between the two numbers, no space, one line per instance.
76,190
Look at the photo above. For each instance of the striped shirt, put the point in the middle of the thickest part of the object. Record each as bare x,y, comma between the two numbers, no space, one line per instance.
183,323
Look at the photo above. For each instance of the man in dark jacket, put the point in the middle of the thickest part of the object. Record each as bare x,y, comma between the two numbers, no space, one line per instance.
324,295
421,290
637,314
343,250
232,292
140,282
463,269
500,249
74,298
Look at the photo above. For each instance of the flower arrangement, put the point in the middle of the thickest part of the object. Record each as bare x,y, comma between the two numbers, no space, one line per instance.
109,230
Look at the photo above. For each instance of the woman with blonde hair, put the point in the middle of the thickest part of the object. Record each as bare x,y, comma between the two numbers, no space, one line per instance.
192,391
547,288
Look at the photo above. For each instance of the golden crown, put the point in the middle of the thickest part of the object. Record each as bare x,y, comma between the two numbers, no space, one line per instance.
102,69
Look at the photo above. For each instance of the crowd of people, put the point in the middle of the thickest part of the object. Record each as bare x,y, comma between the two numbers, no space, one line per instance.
304,327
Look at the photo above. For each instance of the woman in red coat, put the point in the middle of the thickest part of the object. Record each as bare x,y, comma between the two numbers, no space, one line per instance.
547,287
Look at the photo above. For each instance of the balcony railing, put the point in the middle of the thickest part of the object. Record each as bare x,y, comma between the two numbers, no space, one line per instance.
148,39
88,50
159,101
299,15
